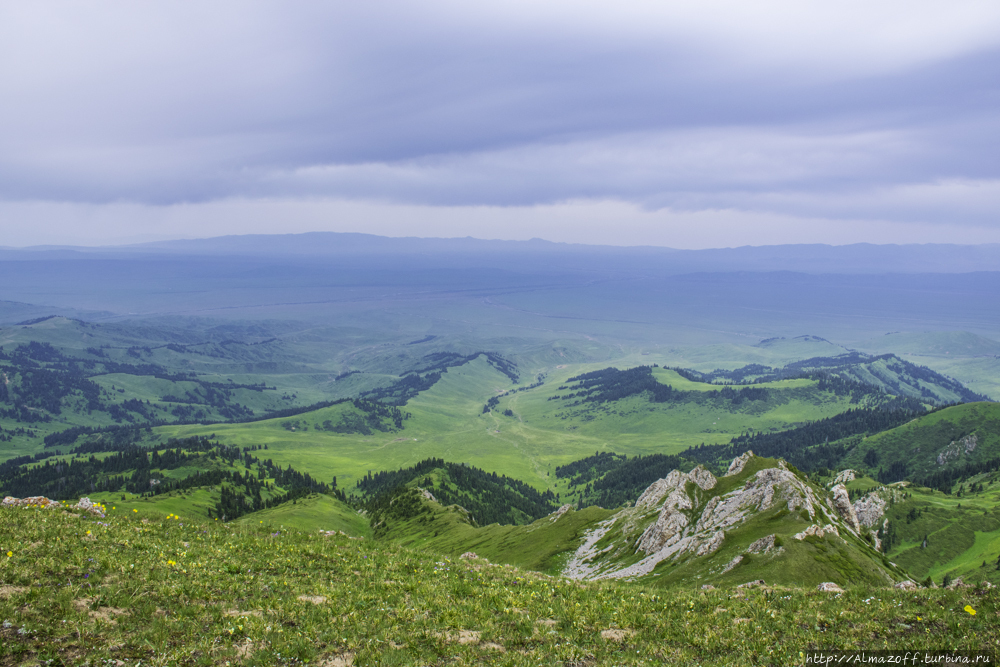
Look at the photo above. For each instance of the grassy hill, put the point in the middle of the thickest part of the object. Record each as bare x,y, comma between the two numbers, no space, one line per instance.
935,449
528,430
551,544
76,588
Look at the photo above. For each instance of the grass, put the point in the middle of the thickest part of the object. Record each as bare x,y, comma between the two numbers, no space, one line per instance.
962,532
448,422
547,544
312,513
158,591
918,443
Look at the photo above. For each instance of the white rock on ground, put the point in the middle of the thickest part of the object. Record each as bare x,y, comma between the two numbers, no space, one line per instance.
870,509
842,503
736,467
672,535
845,476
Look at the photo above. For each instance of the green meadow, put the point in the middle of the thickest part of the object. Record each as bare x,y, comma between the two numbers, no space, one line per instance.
133,589
448,422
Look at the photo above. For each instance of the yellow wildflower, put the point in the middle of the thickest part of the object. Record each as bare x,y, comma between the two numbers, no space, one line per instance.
968,608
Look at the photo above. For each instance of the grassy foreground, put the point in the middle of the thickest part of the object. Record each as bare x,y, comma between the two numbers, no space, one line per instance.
165,591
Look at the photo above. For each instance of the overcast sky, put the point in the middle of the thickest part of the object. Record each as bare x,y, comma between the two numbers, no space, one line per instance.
686,124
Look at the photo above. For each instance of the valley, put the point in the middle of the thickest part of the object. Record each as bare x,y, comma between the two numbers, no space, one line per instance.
500,436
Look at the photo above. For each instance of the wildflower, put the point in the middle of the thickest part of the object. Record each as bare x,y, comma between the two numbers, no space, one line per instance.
968,608
10,554
136,511
88,532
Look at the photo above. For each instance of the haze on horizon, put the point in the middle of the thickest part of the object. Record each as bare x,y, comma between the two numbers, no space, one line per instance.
718,124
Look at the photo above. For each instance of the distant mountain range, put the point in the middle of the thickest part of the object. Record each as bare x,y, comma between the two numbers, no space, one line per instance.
808,258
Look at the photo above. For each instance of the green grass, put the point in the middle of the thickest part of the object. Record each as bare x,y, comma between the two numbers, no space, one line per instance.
918,443
962,532
448,422
78,589
312,513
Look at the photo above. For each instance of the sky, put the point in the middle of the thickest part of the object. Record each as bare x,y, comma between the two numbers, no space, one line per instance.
715,123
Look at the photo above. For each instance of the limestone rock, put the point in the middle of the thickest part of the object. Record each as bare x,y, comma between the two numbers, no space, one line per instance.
817,531
32,501
763,545
82,505
752,584
711,545
703,478
659,489
559,512
958,583
907,585
870,509
733,563
956,448
427,494
666,530
842,503
736,467
829,587
845,476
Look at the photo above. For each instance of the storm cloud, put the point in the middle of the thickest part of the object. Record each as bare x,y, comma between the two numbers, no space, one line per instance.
853,113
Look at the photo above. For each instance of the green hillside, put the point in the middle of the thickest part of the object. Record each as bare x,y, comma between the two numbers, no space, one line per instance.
936,449
475,414
554,544
78,589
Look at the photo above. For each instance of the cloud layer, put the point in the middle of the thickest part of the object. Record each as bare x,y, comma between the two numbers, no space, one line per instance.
849,113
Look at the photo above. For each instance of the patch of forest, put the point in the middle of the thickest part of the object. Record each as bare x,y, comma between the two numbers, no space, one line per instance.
488,497
900,377
139,470
40,381
611,384
813,446
426,375
611,480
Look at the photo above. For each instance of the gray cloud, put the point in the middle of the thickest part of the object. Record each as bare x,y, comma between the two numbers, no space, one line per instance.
855,111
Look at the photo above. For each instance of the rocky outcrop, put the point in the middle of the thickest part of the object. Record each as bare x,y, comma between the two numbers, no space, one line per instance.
829,587
559,512
816,530
731,564
82,505
845,476
703,478
685,524
427,494
711,545
658,490
763,545
957,448
870,510
842,503
736,467
33,501
686,517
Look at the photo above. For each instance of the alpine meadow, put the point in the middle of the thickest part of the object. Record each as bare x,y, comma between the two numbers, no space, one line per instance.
341,449
526,333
